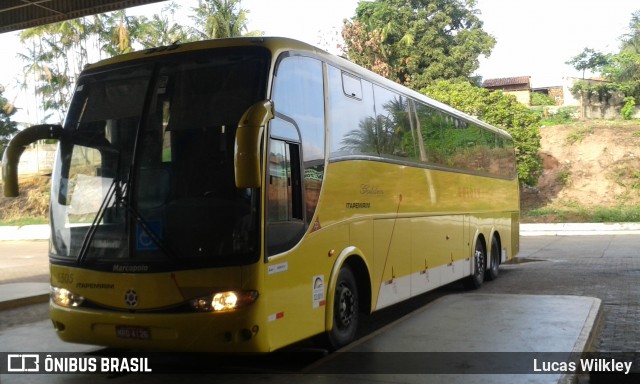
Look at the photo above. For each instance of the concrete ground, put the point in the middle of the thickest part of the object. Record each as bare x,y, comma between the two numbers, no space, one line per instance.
549,299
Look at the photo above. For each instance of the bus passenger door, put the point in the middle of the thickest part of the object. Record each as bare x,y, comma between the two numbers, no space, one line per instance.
296,265
288,271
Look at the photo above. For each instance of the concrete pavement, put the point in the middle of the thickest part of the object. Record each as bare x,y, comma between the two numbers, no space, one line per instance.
496,320
488,338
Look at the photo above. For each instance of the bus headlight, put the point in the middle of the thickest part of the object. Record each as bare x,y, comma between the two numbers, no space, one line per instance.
224,301
65,298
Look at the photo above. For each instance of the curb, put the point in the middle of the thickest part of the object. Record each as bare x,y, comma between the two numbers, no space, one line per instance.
25,232
579,229
15,295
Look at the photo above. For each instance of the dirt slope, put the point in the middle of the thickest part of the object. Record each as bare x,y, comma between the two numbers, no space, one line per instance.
33,202
588,164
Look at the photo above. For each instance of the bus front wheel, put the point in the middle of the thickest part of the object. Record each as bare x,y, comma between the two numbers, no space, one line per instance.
345,310
479,262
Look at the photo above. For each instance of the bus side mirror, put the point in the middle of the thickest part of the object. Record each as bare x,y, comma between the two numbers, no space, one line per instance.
13,151
247,145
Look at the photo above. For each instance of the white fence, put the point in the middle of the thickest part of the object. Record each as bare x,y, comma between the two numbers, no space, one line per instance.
37,159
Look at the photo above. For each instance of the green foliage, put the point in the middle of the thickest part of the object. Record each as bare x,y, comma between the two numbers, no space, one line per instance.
21,221
216,19
631,39
604,91
622,69
566,114
56,53
562,115
580,214
538,99
416,42
564,176
7,127
501,110
629,107
590,59
161,29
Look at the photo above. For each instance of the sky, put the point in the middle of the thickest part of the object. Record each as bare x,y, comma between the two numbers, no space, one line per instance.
533,37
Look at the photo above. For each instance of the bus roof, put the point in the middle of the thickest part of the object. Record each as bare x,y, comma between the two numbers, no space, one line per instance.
278,45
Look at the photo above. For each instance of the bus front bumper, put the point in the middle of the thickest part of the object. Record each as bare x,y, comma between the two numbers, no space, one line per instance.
233,331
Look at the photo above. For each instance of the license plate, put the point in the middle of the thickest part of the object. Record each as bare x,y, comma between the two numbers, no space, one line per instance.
135,333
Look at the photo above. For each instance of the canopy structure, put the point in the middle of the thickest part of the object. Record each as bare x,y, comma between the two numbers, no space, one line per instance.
21,14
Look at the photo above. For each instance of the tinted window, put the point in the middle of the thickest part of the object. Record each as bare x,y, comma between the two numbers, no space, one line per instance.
455,143
347,114
298,94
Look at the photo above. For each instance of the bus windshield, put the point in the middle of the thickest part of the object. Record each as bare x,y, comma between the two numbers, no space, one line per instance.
145,171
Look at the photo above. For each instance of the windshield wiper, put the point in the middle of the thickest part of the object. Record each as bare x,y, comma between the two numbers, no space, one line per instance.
118,193
88,238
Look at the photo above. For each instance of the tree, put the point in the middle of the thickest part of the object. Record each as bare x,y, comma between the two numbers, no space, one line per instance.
589,59
54,53
501,110
621,70
161,29
115,32
216,19
631,40
624,67
57,53
7,127
382,133
416,42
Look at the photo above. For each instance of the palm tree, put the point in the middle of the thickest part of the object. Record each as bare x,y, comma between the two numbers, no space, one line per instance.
114,31
7,127
55,56
216,19
161,29
381,134
631,40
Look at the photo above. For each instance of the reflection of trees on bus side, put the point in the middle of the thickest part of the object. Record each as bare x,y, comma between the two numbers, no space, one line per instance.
382,134
415,132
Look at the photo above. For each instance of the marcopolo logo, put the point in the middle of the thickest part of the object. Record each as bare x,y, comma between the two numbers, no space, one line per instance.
131,298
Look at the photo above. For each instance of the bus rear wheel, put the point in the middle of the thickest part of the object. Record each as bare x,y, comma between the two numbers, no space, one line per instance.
345,310
479,262
494,261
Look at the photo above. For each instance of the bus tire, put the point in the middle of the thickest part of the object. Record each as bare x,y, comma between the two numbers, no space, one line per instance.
494,261
345,310
475,280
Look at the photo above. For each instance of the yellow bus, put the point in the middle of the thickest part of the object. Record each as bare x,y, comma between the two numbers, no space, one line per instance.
240,195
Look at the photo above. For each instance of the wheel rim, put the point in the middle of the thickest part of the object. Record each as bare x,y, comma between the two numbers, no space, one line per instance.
345,307
479,262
